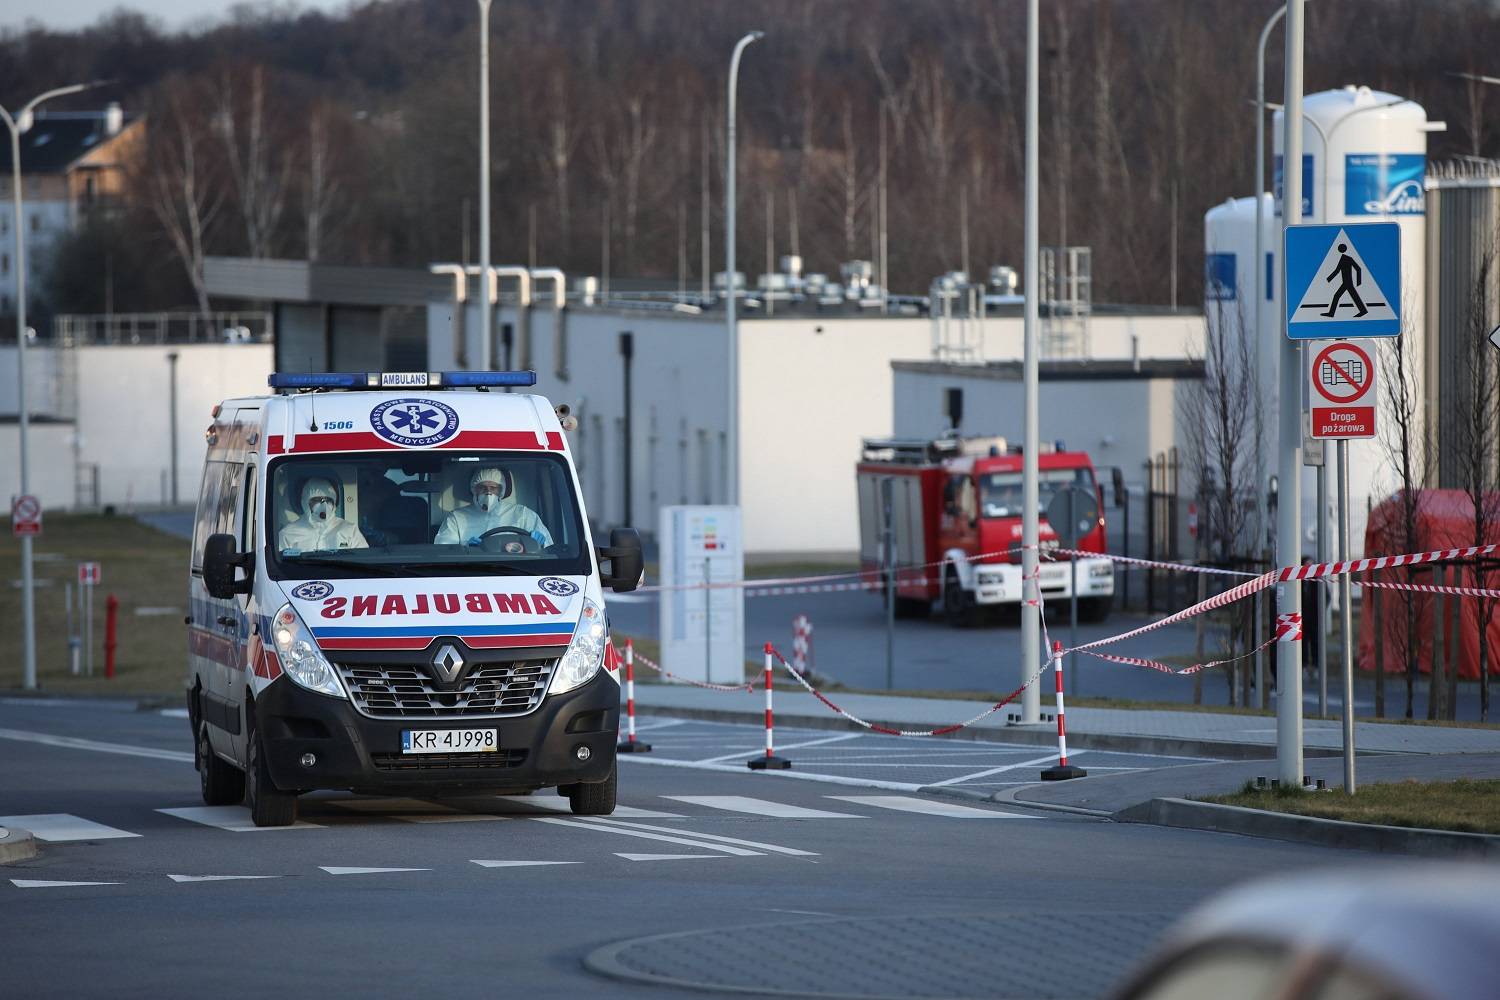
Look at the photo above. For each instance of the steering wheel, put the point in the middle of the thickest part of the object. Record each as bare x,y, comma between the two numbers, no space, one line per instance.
523,544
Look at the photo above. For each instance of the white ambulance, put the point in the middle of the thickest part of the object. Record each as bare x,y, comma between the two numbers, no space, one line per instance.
394,590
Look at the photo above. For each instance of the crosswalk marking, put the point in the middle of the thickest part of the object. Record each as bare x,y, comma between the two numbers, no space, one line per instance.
218,878
928,807
235,819
667,857
684,841
521,864
62,827
759,807
412,811
775,849
36,883
74,743
561,805
338,870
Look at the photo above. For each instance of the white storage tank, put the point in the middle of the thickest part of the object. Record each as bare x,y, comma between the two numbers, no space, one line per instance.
1365,160
1230,273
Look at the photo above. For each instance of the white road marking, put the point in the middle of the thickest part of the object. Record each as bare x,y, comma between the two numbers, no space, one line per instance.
832,779
458,817
217,878
684,841
668,857
997,770
788,746
557,804
174,713
336,870
235,819
759,807
706,836
32,883
61,827
929,807
521,864
72,743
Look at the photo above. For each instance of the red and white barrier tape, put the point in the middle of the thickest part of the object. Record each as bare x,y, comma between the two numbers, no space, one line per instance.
748,687
888,731
1150,563
1229,596
1429,588
1136,661
1314,571
902,576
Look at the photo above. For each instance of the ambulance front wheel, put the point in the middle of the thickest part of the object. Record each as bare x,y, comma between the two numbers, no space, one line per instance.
597,799
269,805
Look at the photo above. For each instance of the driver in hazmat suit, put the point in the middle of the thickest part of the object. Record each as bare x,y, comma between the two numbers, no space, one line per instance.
320,528
493,507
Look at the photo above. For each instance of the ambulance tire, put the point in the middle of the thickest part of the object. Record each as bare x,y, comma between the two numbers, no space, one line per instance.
959,609
269,805
596,799
222,783
912,608
1094,609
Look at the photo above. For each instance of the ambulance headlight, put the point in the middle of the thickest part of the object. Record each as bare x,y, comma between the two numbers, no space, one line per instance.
585,653
301,659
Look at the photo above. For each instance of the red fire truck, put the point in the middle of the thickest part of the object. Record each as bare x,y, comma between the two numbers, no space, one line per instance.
956,509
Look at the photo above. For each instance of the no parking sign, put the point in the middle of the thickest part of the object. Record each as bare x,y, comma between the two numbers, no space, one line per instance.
1342,383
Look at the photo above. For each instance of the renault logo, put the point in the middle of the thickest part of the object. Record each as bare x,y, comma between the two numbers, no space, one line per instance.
447,664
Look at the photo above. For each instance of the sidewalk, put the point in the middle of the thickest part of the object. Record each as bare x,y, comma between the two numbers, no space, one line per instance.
1211,734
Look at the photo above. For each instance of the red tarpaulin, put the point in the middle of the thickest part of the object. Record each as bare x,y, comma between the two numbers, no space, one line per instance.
1444,520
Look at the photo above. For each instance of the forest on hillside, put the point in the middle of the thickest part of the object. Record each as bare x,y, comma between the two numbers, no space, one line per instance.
352,137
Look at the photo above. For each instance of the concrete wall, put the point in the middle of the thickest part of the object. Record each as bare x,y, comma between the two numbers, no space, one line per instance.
50,479
123,412
44,395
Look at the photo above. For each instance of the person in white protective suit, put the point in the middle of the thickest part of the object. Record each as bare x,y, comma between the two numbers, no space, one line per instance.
493,507
320,528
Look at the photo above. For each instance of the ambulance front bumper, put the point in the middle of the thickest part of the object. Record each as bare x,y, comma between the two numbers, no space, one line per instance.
1000,583
352,751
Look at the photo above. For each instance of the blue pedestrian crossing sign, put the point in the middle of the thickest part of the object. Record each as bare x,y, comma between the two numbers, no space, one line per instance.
1343,280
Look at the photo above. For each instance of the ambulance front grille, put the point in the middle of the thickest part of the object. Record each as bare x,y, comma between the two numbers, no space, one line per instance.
408,691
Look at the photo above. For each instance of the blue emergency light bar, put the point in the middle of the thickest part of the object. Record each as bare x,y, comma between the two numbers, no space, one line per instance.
400,380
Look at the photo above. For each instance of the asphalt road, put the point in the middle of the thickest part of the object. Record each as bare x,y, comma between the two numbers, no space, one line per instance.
771,883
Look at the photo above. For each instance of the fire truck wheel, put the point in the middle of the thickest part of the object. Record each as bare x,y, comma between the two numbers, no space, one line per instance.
912,607
1094,609
958,604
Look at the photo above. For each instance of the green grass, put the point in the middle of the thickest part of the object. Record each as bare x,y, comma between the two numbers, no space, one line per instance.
143,567
1465,806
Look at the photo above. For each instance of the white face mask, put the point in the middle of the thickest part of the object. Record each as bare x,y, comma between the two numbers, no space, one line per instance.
322,508
486,501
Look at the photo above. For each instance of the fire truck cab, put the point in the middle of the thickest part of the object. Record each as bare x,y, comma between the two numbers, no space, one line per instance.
955,516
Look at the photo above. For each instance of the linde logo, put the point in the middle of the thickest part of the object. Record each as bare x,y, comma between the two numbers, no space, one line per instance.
361,605
1384,184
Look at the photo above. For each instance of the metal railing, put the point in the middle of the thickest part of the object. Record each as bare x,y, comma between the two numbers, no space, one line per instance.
173,327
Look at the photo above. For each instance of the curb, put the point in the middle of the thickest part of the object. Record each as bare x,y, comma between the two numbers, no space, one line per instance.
1041,735
16,845
1189,815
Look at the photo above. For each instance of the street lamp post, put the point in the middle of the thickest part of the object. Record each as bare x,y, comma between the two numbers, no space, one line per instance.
1031,643
20,123
486,303
729,268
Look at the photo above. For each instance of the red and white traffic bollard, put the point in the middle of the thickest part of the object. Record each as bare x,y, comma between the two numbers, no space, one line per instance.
629,744
1063,771
770,762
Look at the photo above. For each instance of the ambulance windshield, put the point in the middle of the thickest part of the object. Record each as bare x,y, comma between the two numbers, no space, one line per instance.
426,513
1000,492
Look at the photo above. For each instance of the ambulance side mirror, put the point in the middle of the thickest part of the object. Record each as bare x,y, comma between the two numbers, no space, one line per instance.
627,562
220,560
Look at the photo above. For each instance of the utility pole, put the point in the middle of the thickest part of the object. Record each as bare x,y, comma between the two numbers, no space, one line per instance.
1031,622
486,300
1289,458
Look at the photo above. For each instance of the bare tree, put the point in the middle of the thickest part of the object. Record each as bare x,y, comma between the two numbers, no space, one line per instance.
180,189
1404,439
1477,440
259,173
1221,448
321,189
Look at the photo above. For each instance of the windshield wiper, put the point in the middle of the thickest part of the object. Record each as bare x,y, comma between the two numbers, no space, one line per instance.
374,568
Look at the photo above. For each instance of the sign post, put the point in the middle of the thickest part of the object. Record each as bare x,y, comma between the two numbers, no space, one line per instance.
1341,383
25,516
1072,513
88,579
